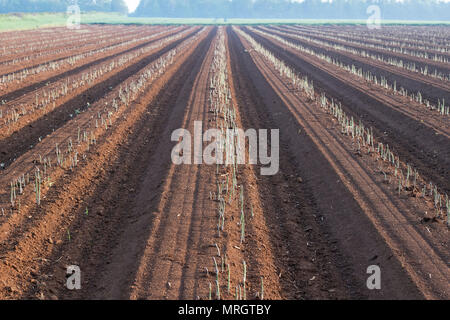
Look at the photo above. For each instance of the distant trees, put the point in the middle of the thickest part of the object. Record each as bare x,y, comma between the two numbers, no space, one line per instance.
7,6
288,9
306,9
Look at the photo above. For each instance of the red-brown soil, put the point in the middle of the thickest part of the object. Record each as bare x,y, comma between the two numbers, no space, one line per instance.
409,137
431,89
141,227
391,37
65,48
52,120
47,77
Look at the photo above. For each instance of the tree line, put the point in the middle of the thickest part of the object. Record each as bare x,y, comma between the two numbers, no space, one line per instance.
275,9
294,9
10,6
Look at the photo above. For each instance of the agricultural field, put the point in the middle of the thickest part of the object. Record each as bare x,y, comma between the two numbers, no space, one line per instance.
92,119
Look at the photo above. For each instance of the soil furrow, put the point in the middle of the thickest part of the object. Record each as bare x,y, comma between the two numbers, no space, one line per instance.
42,83
348,36
64,50
160,272
412,83
301,252
345,168
95,236
420,62
30,108
409,138
156,180
20,141
115,203
433,120
443,85
71,55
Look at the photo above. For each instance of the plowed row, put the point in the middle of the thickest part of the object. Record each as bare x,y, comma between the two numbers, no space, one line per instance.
88,180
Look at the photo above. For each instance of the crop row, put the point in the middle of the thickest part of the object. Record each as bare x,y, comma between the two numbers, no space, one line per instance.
419,37
382,82
230,195
81,137
393,46
412,66
408,179
27,41
70,61
46,100
39,51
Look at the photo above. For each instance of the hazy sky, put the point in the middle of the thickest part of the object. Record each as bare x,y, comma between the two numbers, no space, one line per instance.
132,4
